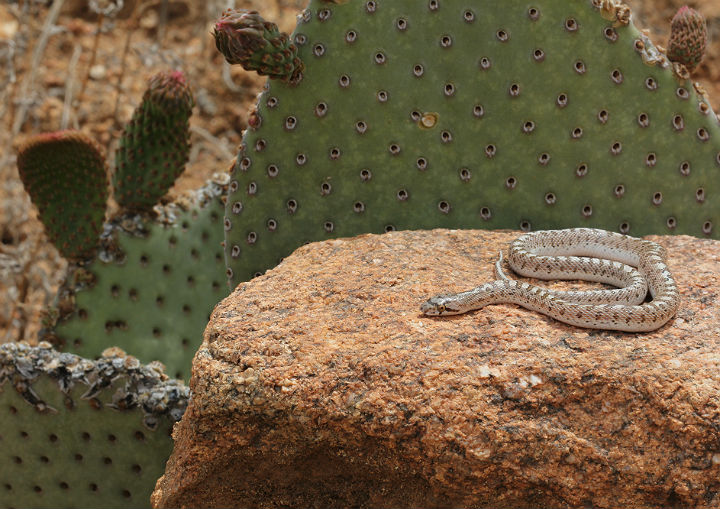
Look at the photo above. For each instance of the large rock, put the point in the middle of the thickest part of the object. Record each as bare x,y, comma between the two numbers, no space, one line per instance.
319,384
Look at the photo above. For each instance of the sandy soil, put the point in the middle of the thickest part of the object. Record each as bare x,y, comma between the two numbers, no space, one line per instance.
44,89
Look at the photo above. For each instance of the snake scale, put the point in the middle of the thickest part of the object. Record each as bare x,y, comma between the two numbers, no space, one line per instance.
635,265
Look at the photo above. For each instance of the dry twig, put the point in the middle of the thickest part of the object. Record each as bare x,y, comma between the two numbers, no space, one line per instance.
93,55
70,87
29,80
220,148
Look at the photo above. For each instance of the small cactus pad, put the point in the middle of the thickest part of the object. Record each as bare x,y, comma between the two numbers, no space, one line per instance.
688,38
153,285
244,38
80,433
155,144
442,113
65,174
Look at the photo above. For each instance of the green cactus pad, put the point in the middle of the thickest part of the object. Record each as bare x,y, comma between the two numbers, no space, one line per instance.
244,38
442,113
80,433
155,144
65,174
153,285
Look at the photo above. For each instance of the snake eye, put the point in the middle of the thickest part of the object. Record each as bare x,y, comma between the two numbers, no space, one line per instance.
441,308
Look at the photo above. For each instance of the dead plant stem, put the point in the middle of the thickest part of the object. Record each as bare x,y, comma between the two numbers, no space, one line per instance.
93,55
29,80
70,87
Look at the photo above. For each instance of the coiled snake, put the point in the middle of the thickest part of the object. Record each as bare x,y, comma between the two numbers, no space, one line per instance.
579,253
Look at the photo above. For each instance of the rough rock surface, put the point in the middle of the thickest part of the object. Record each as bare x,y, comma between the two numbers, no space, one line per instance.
319,384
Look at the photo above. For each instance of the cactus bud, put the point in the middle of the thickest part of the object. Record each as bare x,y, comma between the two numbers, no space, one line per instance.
245,38
688,38
155,144
65,174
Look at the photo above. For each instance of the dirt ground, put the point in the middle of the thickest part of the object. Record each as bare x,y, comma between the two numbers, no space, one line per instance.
48,81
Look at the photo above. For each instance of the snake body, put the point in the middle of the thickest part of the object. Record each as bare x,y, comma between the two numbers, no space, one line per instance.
579,253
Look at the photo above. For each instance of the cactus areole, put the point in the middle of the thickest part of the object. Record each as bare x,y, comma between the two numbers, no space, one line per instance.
442,113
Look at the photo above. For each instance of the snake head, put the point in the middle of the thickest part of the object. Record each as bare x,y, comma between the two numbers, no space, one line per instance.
440,305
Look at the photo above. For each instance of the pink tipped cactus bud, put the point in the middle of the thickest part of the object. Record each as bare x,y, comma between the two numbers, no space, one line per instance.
244,38
171,89
688,38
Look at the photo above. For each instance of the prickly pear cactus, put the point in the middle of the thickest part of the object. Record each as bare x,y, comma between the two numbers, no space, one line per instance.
80,433
158,269
65,174
155,144
442,113
152,286
688,38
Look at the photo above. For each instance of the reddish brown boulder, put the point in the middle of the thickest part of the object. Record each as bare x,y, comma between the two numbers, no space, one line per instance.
319,384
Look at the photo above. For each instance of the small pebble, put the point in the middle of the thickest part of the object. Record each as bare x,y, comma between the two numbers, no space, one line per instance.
150,20
98,72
